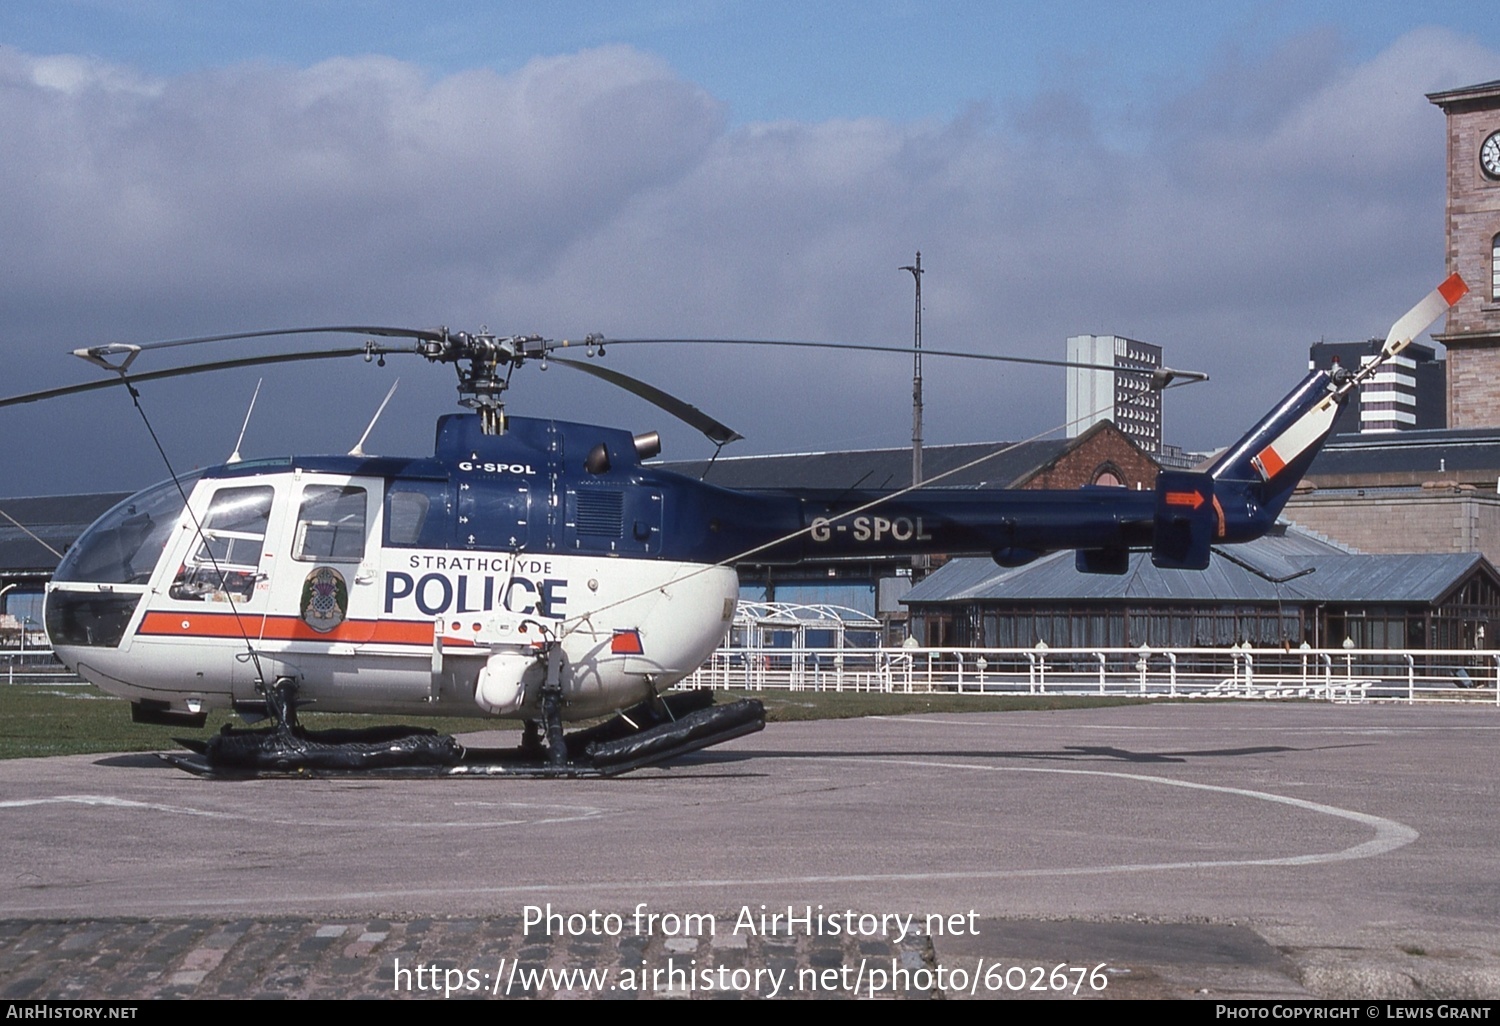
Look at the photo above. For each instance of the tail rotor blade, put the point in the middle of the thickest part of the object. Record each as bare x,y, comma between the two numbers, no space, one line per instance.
1312,427
1420,317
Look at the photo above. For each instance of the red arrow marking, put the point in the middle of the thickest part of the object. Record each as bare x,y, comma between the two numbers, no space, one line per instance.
1192,499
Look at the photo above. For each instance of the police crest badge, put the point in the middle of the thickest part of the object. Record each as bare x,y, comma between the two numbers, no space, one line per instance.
325,599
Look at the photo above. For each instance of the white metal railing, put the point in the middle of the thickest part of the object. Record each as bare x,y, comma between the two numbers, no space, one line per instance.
1334,675
34,666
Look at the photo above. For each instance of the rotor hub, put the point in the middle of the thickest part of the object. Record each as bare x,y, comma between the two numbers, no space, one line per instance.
484,363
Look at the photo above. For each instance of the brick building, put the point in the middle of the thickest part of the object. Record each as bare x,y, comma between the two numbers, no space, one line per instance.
1472,334
1415,491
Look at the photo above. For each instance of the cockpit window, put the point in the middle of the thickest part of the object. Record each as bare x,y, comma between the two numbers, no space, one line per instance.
331,524
124,545
225,562
234,531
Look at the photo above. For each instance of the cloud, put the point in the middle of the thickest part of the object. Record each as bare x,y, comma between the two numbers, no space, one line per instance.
1243,231
290,183
1279,200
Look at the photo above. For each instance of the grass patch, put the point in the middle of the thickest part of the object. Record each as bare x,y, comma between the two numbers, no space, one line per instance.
785,706
41,720
49,719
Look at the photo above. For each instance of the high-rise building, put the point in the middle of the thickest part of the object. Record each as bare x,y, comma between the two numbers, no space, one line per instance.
1122,394
1408,393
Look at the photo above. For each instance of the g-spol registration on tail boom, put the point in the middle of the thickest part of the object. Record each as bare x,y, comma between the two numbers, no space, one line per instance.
541,570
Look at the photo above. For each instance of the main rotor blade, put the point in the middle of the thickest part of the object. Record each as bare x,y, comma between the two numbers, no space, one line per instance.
717,433
200,368
425,334
857,347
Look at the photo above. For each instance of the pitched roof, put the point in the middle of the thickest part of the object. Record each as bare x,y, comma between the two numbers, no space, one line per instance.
57,520
1337,575
1429,452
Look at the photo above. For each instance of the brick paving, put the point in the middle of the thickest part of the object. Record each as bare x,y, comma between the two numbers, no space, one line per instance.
452,958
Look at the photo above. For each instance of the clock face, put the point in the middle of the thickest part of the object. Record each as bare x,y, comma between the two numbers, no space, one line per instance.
1489,155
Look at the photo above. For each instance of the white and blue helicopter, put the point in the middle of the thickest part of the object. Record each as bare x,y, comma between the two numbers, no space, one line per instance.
540,570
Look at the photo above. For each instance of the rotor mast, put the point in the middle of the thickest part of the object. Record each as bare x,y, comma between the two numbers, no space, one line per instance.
484,363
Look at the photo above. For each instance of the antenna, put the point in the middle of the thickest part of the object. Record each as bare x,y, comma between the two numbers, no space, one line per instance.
234,457
359,446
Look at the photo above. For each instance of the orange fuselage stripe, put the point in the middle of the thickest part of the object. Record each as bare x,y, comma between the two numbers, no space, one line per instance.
282,628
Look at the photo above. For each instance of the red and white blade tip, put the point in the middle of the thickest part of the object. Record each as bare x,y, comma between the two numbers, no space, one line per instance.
1420,317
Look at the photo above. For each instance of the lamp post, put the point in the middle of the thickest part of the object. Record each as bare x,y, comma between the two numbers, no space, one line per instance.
916,376
919,564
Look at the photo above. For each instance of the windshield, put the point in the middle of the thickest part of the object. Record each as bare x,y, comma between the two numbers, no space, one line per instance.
123,546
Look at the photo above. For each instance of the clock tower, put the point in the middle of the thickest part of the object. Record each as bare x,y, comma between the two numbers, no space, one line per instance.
1473,232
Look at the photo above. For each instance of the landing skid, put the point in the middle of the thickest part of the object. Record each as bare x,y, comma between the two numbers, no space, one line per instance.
646,735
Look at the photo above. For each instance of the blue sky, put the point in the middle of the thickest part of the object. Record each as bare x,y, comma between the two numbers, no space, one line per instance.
1232,181
898,59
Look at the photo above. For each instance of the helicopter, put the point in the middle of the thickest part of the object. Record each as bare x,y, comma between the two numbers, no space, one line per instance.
541,570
